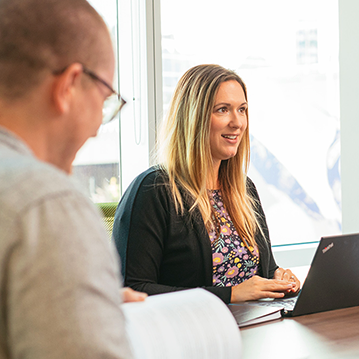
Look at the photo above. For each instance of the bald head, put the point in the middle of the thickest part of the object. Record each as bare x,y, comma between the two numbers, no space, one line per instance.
42,36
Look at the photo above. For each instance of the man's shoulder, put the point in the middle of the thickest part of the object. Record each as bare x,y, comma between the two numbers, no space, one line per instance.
24,180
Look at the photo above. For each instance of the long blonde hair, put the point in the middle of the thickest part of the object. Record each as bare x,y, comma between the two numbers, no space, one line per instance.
185,153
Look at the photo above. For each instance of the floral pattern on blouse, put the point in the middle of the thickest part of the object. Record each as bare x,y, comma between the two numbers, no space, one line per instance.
233,263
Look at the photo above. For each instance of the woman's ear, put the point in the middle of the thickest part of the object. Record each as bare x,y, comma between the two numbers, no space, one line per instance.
65,87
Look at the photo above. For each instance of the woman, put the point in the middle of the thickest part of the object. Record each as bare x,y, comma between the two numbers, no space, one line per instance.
196,219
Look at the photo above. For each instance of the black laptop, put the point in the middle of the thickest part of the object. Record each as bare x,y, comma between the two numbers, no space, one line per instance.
332,281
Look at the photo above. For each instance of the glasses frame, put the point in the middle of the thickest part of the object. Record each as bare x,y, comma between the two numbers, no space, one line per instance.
95,77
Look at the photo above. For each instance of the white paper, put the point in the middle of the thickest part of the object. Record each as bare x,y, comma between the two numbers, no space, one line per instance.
188,324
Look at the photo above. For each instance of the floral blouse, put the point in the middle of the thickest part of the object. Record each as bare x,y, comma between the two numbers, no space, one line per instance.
233,263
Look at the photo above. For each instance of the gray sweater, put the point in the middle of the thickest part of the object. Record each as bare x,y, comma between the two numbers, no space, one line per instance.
59,280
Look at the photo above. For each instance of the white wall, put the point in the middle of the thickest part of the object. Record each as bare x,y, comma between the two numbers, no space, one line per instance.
349,112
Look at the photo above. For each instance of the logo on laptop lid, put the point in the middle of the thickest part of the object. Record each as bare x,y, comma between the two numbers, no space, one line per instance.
329,246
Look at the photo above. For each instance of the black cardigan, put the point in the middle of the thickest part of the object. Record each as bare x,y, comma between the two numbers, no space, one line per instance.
162,251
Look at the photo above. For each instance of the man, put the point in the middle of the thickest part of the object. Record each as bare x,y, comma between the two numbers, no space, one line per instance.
58,275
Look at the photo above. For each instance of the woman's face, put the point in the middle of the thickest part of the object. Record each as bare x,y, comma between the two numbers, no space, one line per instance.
228,121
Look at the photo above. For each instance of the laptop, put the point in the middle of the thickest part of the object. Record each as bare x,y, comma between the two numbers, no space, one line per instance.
332,281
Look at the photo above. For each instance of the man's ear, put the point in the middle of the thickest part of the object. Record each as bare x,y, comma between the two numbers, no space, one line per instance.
65,86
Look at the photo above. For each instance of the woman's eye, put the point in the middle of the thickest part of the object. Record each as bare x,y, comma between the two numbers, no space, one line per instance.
222,110
242,110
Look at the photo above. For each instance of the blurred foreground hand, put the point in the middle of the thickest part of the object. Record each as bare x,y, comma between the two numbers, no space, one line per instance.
130,295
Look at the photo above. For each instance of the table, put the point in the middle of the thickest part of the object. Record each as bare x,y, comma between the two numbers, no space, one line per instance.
329,335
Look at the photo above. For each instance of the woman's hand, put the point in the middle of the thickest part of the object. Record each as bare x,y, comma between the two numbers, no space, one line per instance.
257,288
287,275
130,295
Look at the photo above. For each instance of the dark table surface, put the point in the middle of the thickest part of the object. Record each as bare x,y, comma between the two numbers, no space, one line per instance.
329,335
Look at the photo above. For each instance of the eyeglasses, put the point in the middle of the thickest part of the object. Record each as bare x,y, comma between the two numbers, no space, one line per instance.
113,103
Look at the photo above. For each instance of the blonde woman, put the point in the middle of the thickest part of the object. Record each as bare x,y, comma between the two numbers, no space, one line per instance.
196,220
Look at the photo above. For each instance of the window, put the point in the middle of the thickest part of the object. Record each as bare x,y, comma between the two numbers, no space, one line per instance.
97,163
106,164
287,54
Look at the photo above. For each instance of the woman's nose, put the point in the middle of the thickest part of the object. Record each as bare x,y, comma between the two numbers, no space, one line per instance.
238,120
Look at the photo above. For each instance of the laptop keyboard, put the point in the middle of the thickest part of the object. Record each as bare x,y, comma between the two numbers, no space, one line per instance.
287,303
